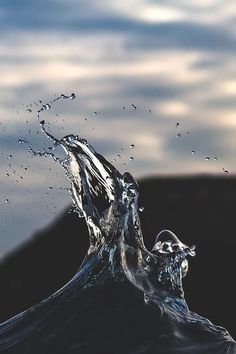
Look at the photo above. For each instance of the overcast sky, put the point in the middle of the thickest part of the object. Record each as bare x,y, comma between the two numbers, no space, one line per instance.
175,58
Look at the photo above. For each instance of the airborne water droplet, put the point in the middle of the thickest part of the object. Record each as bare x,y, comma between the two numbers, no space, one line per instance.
141,209
47,106
207,158
72,96
132,146
193,152
131,158
215,158
133,106
22,141
178,135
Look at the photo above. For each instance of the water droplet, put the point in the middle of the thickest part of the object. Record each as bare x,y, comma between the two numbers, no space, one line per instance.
47,106
133,106
226,172
187,132
10,156
178,135
123,107
141,209
95,113
72,96
147,268
63,96
215,158
131,158
50,188
207,158
193,152
132,146
42,122
7,200
118,156
149,111
22,141
176,125
192,250
29,110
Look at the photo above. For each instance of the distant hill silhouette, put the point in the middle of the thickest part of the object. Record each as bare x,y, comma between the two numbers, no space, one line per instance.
199,209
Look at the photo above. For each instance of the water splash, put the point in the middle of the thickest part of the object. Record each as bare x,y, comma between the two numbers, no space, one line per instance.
124,298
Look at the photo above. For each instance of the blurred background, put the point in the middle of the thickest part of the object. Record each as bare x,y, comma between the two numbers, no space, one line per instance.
174,61
155,91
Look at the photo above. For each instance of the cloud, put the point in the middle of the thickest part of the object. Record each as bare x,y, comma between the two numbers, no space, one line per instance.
175,58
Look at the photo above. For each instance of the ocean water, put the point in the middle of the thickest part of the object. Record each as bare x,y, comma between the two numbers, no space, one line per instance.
123,298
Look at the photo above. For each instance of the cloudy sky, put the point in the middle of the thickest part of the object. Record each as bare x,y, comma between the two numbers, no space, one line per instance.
173,60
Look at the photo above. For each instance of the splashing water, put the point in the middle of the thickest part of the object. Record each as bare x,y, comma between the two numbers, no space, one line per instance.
124,298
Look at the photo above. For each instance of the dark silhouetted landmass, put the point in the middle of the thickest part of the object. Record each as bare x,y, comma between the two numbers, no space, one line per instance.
200,210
